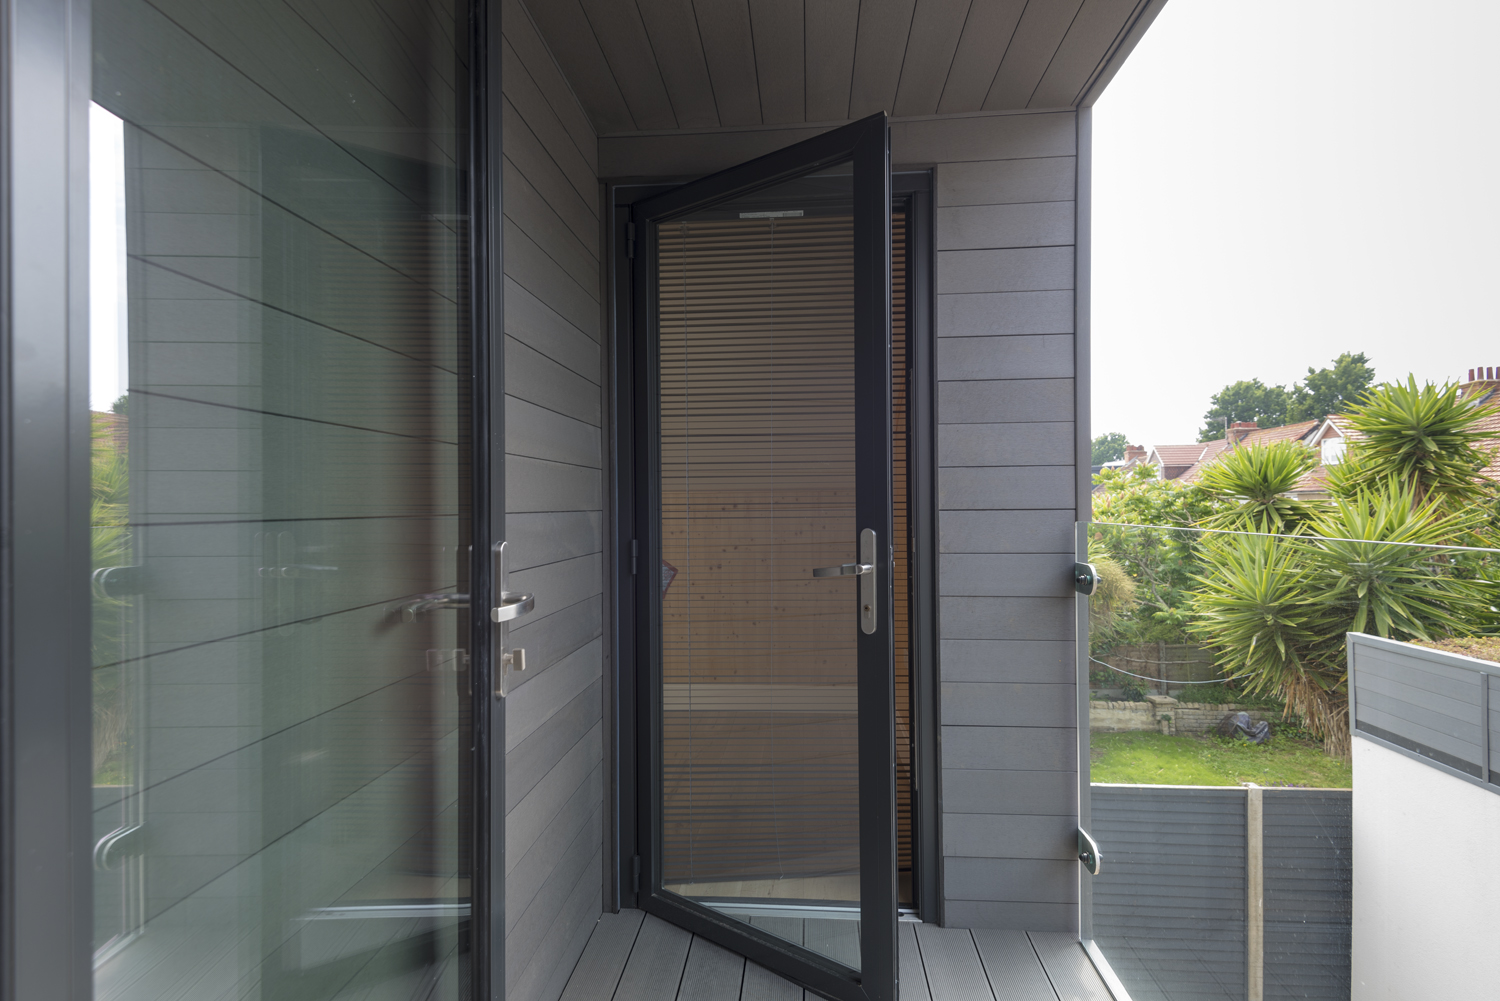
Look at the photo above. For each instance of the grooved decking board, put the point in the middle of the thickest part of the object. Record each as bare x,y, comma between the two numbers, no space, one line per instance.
604,958
763,985
1068,967
654,970
954,972
713,973
913,976
1012,965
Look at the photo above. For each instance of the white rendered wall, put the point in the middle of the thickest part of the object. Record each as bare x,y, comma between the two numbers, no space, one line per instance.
1426,881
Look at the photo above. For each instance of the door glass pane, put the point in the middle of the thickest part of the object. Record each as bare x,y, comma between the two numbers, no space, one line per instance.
758,658
279,325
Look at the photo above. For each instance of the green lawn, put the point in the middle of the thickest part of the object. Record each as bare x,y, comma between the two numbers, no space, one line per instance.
1154,759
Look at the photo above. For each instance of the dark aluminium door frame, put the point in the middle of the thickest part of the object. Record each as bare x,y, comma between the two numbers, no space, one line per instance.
632,529
912,190
46,894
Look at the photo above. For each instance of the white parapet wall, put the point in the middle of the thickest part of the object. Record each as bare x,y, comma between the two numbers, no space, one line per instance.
1426,881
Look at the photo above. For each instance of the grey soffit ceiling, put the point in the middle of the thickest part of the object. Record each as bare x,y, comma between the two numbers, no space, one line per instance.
647,65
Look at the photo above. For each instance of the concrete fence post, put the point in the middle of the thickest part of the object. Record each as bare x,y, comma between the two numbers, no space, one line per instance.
1255,889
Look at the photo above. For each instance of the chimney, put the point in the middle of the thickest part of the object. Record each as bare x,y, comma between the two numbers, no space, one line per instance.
1134,454
1481,381
1237,431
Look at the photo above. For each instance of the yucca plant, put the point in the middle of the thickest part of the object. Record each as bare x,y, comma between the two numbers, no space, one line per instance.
1423,436
1381,561
1259,610
1115,596
1255,478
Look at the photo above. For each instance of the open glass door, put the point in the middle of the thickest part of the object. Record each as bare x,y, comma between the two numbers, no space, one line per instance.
767,738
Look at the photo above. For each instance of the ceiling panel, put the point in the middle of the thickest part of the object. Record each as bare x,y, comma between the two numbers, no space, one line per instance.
651,65
672,28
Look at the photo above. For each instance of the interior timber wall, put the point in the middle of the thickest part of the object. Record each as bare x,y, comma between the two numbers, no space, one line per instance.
554,490
1005,190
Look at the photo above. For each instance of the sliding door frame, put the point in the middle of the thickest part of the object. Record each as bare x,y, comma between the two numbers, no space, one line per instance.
46,879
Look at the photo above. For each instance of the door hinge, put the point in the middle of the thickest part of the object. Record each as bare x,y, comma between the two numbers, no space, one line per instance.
635,874
630,239
632,557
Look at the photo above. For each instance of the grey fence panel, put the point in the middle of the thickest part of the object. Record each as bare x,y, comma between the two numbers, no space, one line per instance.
1438,706
1307,892
1169,905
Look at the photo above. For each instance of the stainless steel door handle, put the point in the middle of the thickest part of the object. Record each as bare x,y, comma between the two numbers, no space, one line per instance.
865,571
845,570
513,605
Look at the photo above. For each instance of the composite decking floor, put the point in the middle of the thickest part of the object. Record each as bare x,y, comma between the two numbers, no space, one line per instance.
633,956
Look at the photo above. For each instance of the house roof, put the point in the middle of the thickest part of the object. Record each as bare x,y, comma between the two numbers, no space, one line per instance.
664,66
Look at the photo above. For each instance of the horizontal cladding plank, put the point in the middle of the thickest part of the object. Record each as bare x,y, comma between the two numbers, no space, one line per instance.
533,53
540,485
546,434
531,705
1032,269
530,212
530,761
985,314
1002,182
1010,915
1035,661
523,148
938,140
531,268
1009,704
1001,575
532,376
1006,619
1023,748
530,817
1457,745
1016,792
981,835
991,488
527,97
1421,667
551,638
539,537
525,935
1039,443
560,585
1002,401
532,322
1047,357
989,227
562,941
1042,880
1005,532
984,137
525,878
1446,698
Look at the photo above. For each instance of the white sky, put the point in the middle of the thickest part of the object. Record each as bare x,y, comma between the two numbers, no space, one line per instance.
1279,181
109,359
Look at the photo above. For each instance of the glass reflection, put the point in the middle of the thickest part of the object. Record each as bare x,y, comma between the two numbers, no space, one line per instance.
277,339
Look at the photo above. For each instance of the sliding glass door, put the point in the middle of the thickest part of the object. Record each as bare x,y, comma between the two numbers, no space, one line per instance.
768,724
281,407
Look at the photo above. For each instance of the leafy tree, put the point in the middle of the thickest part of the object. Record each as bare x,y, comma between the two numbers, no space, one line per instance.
1246,400
1325,391
1424,438
1255,480
1330,390
1109,448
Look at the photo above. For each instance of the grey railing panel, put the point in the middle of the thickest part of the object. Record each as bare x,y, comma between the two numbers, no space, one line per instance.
1169,907
1438,706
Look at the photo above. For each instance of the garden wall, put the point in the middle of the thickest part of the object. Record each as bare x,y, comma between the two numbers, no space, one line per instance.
1164,715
